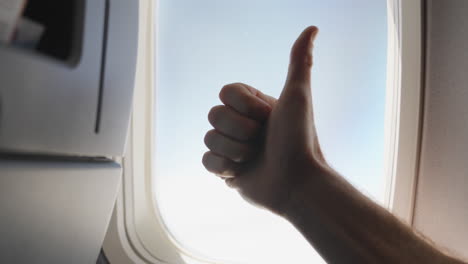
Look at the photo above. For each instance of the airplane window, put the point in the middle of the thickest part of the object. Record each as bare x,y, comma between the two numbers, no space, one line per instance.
203,45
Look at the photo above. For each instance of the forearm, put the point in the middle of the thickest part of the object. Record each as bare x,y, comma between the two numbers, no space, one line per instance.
346,227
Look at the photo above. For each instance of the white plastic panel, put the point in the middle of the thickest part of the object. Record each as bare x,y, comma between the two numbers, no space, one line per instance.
49,106
55,212
119,77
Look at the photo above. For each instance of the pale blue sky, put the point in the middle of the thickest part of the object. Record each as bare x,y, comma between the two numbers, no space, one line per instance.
205,44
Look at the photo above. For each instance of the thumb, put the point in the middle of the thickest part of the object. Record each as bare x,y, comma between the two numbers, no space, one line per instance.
301,60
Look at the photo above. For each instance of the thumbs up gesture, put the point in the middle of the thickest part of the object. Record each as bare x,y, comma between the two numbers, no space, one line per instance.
262,146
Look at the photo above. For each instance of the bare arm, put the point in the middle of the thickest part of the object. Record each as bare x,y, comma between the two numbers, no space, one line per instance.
269,151
344,226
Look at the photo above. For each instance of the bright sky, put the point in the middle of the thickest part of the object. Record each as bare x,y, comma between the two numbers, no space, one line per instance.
205,44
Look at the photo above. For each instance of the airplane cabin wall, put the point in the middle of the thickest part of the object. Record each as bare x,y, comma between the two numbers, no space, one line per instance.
441,206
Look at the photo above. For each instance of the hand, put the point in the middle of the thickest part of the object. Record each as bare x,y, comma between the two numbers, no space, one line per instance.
262,146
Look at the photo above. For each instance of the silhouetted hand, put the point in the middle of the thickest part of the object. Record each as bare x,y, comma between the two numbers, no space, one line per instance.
261,145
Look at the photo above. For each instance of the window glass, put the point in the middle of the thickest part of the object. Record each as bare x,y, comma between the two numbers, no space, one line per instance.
205,44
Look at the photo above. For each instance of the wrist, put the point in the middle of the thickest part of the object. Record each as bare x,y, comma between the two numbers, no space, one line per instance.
310,189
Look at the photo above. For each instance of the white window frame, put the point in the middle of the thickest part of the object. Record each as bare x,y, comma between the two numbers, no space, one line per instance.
404,105
137,234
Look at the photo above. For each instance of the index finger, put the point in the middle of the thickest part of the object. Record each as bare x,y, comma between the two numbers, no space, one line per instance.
243,101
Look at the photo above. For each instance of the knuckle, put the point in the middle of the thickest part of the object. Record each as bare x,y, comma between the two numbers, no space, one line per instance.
228,89
208,139
215,114
226,147
225,91
232,124
215,164
205,158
